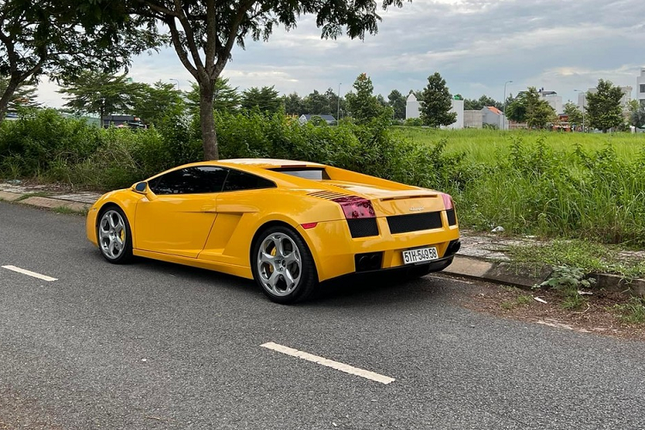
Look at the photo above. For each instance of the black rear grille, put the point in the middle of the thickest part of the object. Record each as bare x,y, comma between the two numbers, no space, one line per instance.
363,227
452,218
414,222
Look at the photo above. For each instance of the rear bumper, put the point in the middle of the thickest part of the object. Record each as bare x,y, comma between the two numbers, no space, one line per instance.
335,251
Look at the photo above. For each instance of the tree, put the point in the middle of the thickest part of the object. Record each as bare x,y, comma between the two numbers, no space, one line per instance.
264,99
203,33
316,103
293,104
436,103
225,97
397,102
637,114
479,104
516,108
538,112
23,97
155,103
573,113
62,38
363,105
100,93
603,106
530,108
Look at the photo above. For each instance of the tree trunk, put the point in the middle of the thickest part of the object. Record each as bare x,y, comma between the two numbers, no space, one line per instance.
6,98
209,135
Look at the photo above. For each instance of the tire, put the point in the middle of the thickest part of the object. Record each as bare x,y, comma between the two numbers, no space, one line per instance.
114,235
282,265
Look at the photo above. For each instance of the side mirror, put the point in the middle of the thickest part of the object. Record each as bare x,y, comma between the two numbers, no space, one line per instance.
141,187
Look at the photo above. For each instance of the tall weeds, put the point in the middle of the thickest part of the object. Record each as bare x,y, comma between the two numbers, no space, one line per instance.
548,184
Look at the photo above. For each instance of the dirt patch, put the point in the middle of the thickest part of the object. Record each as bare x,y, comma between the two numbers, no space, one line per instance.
596,315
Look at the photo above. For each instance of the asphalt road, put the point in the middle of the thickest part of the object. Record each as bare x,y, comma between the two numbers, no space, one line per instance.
155,346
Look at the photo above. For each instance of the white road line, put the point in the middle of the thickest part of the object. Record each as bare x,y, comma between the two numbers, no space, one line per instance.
30,273
329,363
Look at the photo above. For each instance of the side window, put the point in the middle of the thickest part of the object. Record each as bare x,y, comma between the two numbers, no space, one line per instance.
238,180
191,180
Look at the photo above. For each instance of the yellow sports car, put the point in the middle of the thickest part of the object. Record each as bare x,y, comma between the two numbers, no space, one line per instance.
287,224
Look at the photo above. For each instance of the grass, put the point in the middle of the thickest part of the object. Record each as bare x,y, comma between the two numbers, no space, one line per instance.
587,256
36,194
67,210
632,312
567,185
520,300
488,146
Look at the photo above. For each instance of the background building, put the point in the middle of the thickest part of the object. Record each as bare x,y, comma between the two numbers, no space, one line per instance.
412,107
640,87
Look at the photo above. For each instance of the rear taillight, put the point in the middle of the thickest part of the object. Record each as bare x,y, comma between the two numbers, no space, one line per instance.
447,201
355,207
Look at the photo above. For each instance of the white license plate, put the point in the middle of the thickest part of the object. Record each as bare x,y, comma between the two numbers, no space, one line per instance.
420,255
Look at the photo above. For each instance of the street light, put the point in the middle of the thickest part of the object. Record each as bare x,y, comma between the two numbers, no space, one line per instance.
504,117
177,81
584,97
338,106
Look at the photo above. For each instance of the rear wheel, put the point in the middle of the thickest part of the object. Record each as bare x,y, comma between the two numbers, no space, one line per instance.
283,266
114,236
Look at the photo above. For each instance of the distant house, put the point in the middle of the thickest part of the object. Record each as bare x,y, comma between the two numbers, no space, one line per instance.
493,117
305,118
473,118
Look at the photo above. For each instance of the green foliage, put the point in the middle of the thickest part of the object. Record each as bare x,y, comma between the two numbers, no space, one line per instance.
294,105
483,101
100,93
590,257
566,277
397,102
413,122
632,312
157,103
603,106
538,112
23,97
637,117
436,103
263,99
569,280
363,105
63,38
573,113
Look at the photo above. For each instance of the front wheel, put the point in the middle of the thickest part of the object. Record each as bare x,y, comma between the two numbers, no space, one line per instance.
114,236
283,266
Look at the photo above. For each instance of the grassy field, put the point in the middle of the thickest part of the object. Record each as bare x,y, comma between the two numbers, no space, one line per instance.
487,145
569,185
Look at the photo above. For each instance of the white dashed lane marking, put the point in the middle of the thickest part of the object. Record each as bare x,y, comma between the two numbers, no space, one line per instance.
30,273
329,363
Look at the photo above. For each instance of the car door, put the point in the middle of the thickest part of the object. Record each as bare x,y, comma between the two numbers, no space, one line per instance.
238,206
178,219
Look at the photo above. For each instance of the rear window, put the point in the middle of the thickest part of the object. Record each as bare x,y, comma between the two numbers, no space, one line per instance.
316,174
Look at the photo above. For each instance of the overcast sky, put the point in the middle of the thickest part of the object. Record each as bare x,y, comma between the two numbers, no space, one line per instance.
476,46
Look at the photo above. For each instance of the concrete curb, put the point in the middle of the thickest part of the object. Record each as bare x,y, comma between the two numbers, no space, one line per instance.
500,272
527,276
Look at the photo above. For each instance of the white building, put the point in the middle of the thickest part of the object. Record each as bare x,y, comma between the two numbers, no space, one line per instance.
553,99
412,110
640,87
